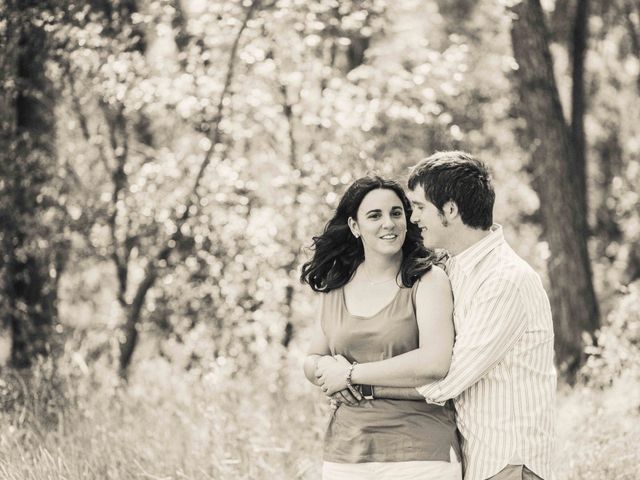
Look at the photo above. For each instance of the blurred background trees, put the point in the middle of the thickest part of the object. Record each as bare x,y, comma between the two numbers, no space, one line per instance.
165,162
164,165
33,244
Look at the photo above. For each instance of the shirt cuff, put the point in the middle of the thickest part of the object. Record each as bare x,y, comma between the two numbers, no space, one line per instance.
430,393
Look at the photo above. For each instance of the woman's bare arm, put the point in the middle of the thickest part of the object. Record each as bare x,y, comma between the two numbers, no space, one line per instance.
429,362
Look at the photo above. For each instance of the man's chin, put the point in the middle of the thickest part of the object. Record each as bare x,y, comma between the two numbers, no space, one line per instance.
426,242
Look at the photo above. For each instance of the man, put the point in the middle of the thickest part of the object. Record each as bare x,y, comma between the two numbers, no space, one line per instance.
502,378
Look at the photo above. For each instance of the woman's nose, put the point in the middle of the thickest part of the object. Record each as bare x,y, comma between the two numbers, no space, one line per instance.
388,222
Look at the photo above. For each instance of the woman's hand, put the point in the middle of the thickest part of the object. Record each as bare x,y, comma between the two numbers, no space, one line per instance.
332,376
322,363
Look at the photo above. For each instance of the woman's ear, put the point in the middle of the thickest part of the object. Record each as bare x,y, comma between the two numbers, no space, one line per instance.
353,226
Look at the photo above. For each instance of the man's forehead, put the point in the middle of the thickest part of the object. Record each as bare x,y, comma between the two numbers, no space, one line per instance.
416,195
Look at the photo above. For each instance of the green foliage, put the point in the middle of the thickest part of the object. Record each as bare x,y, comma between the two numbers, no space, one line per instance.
321,93
319,97
617,348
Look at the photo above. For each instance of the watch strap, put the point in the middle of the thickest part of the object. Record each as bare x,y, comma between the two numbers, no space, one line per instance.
367,391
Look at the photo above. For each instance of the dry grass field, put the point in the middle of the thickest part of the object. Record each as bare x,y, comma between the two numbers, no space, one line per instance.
168,425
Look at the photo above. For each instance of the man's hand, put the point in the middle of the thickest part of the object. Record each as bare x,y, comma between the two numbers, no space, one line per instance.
332,376
346,396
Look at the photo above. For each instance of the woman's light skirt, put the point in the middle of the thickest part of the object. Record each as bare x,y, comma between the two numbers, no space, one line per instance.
417,470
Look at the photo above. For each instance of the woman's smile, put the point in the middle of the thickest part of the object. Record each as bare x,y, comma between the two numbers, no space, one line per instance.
389,237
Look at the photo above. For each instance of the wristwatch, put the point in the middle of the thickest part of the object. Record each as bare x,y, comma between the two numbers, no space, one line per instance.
367,391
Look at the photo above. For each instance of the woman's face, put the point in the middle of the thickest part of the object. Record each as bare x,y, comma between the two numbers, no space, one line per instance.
381,222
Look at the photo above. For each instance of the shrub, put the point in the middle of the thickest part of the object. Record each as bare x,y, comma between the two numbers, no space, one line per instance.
617,346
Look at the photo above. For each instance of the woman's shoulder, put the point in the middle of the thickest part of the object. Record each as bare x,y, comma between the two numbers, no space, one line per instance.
333,296
435,278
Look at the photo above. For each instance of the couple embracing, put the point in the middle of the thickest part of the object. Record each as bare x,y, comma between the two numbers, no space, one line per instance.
437,367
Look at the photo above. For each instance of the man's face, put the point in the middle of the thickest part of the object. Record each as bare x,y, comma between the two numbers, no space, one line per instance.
433,225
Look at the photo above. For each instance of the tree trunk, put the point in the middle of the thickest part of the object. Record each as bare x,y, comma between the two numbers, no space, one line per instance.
578,101
27,165
8,135
573,300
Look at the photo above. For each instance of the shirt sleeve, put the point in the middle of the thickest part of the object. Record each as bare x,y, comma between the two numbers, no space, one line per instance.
495,320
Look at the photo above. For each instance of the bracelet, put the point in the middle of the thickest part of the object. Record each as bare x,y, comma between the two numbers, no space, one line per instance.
349,372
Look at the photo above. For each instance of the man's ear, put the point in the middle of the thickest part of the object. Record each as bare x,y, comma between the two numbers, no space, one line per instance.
450,210
353,226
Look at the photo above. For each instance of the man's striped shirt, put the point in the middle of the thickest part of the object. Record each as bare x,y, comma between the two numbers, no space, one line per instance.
502,378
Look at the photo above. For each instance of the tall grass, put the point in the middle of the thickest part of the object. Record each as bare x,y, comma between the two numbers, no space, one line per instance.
173,425
599,431
266,424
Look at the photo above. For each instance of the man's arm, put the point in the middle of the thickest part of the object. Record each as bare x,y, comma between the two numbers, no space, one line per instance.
497,319
430,361
397,393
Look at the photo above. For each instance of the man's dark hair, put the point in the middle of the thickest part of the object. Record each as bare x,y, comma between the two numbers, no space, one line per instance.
458,177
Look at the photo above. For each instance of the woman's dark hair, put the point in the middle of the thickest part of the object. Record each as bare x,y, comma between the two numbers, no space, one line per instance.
337,253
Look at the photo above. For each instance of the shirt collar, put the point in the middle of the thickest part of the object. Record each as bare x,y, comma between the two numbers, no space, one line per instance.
469,258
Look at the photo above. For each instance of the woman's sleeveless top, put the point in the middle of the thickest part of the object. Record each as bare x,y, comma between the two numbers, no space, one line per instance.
382,430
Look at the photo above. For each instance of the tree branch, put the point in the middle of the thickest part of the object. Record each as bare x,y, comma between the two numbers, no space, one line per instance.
119,180
215,136
182,37
287,109
151,271
75,101
633,33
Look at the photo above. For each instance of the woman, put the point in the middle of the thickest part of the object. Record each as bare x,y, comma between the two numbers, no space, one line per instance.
382,296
